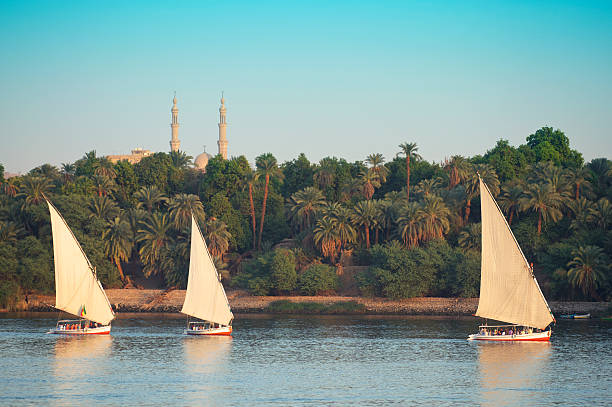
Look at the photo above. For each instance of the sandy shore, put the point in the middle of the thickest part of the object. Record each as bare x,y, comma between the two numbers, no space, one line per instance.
133,300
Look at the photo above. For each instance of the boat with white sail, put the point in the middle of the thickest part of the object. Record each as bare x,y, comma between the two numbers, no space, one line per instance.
509,291
205,298
77,288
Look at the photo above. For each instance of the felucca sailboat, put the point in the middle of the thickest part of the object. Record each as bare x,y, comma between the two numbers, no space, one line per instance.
77,288
509,291
205,298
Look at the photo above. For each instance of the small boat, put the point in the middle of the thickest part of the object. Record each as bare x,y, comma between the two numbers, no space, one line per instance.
576,316
205,298
509,291
77,288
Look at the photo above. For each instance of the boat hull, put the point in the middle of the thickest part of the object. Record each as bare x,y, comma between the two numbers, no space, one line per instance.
102,330
220,331
533,337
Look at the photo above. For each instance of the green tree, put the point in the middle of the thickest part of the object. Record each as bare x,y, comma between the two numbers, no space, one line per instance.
318,279
118,243
217,236
34,190
365,215
326,236
587,269
154,238
104,168
369,181
410,224
298,174
434,214
103,208
283,272
410,152
541,199
266,168
182,206
304,205
150,198
510,200
376,161
249,181
470,237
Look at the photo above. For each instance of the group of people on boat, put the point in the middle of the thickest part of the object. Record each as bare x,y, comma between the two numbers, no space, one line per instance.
70,326
511,330
204,327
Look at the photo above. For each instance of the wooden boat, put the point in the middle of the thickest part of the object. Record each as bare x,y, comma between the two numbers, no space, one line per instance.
205,298
509,291
576,316
77,288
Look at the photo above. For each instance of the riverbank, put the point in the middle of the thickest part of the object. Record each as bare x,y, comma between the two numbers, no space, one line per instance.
134,300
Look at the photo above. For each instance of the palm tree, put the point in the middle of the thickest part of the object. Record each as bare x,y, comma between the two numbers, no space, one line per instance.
180,160
365,215
149,198
600,214
580,209
458,169
369,181
578,180
118,242
249,181
182,206
34,190
410,151
350,188
266,168
10,187
376,161
104,168
428,186
153,235
472,185
470,237
326,235
217,236
133,217
68,171
305,204
435,216
103,208
342,222
324,175
102,185
8,232
587,269
510,200
543,200
600,174
410,225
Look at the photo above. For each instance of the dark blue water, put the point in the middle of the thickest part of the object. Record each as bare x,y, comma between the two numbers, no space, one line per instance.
312,361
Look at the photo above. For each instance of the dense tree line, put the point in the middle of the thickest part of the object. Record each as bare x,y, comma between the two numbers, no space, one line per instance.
291,228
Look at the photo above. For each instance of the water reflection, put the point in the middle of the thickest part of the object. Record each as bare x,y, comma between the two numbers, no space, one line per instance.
206,358
512,373
78,361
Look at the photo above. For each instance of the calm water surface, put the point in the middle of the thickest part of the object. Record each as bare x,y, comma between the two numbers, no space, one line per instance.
278,360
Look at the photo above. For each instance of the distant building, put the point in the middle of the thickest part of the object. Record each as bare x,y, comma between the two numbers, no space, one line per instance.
201,161
137,155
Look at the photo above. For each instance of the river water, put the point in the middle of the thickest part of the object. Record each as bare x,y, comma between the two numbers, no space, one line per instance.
303,361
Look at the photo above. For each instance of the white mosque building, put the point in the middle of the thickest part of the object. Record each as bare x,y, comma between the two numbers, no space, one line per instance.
201,161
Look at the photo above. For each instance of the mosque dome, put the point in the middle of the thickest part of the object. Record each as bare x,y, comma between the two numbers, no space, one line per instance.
201,161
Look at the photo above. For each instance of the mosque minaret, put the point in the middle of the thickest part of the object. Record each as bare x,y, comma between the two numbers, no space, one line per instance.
175,144
222,143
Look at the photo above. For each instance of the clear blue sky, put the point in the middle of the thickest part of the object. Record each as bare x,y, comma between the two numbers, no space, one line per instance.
325,78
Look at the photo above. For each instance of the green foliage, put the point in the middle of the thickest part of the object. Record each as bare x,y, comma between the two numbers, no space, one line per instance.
318,279
282,267
139,214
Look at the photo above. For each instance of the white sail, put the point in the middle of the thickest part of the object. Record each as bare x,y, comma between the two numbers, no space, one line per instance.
509,291
205,297
77,290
